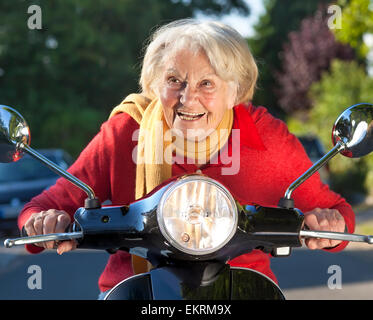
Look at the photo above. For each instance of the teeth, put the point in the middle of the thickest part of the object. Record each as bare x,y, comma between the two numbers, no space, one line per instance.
192,114
186,118
189,115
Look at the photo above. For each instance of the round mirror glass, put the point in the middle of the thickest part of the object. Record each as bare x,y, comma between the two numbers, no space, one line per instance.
354,128
13,132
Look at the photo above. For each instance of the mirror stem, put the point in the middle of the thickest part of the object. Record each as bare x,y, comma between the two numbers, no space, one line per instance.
91,203
317,165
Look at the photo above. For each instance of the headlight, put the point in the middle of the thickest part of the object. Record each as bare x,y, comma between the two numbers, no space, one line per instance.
197,215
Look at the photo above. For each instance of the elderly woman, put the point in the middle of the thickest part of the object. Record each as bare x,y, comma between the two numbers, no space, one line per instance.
193,115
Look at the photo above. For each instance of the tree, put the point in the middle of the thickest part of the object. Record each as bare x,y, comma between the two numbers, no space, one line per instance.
308,53
357,20
280,18
66,76
346,84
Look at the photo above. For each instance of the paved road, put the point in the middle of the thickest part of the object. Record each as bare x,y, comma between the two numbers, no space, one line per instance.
304,275
74,275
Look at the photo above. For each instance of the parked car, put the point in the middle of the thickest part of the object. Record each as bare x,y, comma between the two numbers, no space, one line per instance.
315,150
24,179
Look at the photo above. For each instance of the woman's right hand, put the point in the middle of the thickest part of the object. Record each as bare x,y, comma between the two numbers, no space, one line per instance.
50,221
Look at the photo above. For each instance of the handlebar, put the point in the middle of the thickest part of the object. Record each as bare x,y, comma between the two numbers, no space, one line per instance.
8,243
336,236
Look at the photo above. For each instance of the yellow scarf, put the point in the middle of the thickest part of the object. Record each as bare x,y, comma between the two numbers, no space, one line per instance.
157,145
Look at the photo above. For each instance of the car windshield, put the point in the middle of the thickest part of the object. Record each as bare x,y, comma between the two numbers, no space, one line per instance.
23,170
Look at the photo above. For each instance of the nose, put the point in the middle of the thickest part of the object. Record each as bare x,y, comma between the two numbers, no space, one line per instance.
189,96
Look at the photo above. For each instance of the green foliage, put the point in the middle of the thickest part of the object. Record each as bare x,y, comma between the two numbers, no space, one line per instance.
346,84
357,19
66,77
271,33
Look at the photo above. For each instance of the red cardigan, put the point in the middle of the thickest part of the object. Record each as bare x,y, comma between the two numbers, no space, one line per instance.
270,159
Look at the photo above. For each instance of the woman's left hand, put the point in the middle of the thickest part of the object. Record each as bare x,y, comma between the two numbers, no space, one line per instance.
323,220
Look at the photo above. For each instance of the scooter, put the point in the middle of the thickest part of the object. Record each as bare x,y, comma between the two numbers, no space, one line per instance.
190,226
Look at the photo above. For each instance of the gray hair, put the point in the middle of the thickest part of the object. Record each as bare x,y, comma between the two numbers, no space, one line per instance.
227,51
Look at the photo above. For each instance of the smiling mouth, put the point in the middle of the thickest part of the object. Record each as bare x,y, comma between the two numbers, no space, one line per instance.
190,116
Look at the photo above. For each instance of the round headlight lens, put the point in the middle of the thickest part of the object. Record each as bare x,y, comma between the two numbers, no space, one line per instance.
197,215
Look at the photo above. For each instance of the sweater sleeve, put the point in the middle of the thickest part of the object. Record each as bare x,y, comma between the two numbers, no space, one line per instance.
290,161
96,166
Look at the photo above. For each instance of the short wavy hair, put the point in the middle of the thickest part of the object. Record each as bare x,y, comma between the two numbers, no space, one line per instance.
227,51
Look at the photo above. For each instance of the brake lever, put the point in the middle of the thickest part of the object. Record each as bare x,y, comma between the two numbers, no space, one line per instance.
8,243
336,236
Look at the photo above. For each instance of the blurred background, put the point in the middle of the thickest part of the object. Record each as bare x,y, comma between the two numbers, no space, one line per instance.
65,76
65,73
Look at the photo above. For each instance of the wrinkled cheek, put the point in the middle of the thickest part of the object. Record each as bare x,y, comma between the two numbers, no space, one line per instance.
169,113
169,100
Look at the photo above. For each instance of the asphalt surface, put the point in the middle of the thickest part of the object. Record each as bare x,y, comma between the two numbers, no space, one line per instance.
71,276
74,275
320,275
313,274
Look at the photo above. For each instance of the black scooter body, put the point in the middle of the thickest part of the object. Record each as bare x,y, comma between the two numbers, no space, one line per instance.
177,283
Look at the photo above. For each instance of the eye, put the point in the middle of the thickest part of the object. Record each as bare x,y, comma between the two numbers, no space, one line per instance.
206,83
173,81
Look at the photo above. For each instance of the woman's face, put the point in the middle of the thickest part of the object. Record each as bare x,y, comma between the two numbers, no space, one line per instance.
192,94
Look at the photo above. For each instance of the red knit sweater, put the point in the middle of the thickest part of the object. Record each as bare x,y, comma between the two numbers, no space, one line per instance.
270,159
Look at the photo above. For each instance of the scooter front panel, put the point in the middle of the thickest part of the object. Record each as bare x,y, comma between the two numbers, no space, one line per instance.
169,283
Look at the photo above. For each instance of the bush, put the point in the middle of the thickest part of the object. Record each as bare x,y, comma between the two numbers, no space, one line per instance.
346,84
306,56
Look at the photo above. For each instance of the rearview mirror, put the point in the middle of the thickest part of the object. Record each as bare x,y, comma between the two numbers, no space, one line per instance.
15,140
352,136
14,132
354,129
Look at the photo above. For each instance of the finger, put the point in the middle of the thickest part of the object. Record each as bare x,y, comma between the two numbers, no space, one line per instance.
49,225
317,220
324,243
38,226
63,220
333,221
311,243
311,221
66,246
316,243
330,221
340,222
323,221
334,243
337,225
29,227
